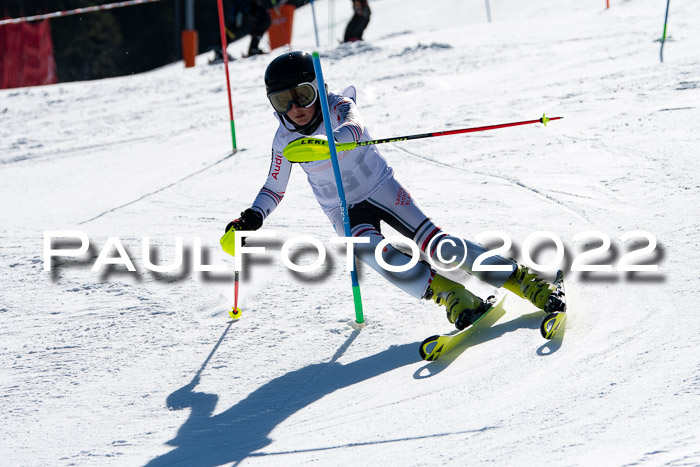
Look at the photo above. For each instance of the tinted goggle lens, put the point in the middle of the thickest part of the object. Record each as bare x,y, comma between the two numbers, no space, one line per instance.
303,95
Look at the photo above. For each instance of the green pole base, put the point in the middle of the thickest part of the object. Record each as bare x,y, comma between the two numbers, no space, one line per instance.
359,317
233,135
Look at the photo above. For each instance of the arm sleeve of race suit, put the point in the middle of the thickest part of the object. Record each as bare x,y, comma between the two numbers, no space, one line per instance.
272,192
350,125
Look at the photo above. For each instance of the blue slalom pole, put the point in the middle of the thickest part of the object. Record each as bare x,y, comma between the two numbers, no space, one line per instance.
359,318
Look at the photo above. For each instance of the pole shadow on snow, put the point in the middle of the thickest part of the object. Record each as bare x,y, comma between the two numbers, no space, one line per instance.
241,430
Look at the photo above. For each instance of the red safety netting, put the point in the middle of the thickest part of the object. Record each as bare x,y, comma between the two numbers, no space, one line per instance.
26,55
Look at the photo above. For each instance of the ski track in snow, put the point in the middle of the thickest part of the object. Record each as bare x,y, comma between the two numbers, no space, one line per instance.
193,174
509,180
119,368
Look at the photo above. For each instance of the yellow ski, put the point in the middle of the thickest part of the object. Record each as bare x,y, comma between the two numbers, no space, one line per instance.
555,322
436,346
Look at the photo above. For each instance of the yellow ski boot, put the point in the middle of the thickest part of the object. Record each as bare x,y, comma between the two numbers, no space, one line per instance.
463,307
526,284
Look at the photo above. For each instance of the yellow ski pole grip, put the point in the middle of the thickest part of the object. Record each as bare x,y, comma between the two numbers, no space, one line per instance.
312,149
228,242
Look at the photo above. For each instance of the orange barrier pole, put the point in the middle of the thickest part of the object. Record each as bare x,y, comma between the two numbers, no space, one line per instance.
190,47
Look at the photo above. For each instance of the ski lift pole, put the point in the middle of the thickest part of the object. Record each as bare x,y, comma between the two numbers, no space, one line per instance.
663,38
357,298
222,28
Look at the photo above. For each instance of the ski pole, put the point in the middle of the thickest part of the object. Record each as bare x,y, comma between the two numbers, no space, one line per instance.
357,299
228,244
235,312
663,38
316,149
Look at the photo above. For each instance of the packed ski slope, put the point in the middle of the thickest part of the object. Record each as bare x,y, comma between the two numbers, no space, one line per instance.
141,368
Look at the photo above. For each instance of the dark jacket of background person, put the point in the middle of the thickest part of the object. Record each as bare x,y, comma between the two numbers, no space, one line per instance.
358,22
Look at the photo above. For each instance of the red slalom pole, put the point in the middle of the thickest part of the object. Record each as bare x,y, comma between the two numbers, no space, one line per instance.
222,28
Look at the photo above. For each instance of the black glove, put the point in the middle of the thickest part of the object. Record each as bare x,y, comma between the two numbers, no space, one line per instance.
249,220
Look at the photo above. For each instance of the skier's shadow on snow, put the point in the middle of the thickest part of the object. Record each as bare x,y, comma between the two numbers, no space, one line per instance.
241,430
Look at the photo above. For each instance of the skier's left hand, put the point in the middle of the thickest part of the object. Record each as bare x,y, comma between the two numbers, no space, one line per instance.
307,149
313,149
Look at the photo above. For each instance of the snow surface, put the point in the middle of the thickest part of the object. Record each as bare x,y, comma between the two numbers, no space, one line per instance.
121,368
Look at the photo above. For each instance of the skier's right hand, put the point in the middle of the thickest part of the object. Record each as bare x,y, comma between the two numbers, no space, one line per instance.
249,220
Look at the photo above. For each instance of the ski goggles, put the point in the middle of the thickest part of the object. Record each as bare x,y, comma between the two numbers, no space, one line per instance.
303,95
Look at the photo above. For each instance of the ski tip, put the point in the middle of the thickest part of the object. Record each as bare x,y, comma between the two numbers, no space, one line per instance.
552,324
235,313
428,349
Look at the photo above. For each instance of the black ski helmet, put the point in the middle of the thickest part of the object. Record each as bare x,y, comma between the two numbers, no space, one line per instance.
287,71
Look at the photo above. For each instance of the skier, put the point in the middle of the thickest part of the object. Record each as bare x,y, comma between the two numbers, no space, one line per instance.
373,194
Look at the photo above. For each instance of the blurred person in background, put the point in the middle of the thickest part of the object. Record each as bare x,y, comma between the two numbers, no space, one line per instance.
242,18
358,22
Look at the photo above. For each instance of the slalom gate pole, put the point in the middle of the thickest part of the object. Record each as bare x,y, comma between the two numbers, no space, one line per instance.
663,38
359,318
222,28
77,11
313,15
488,10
